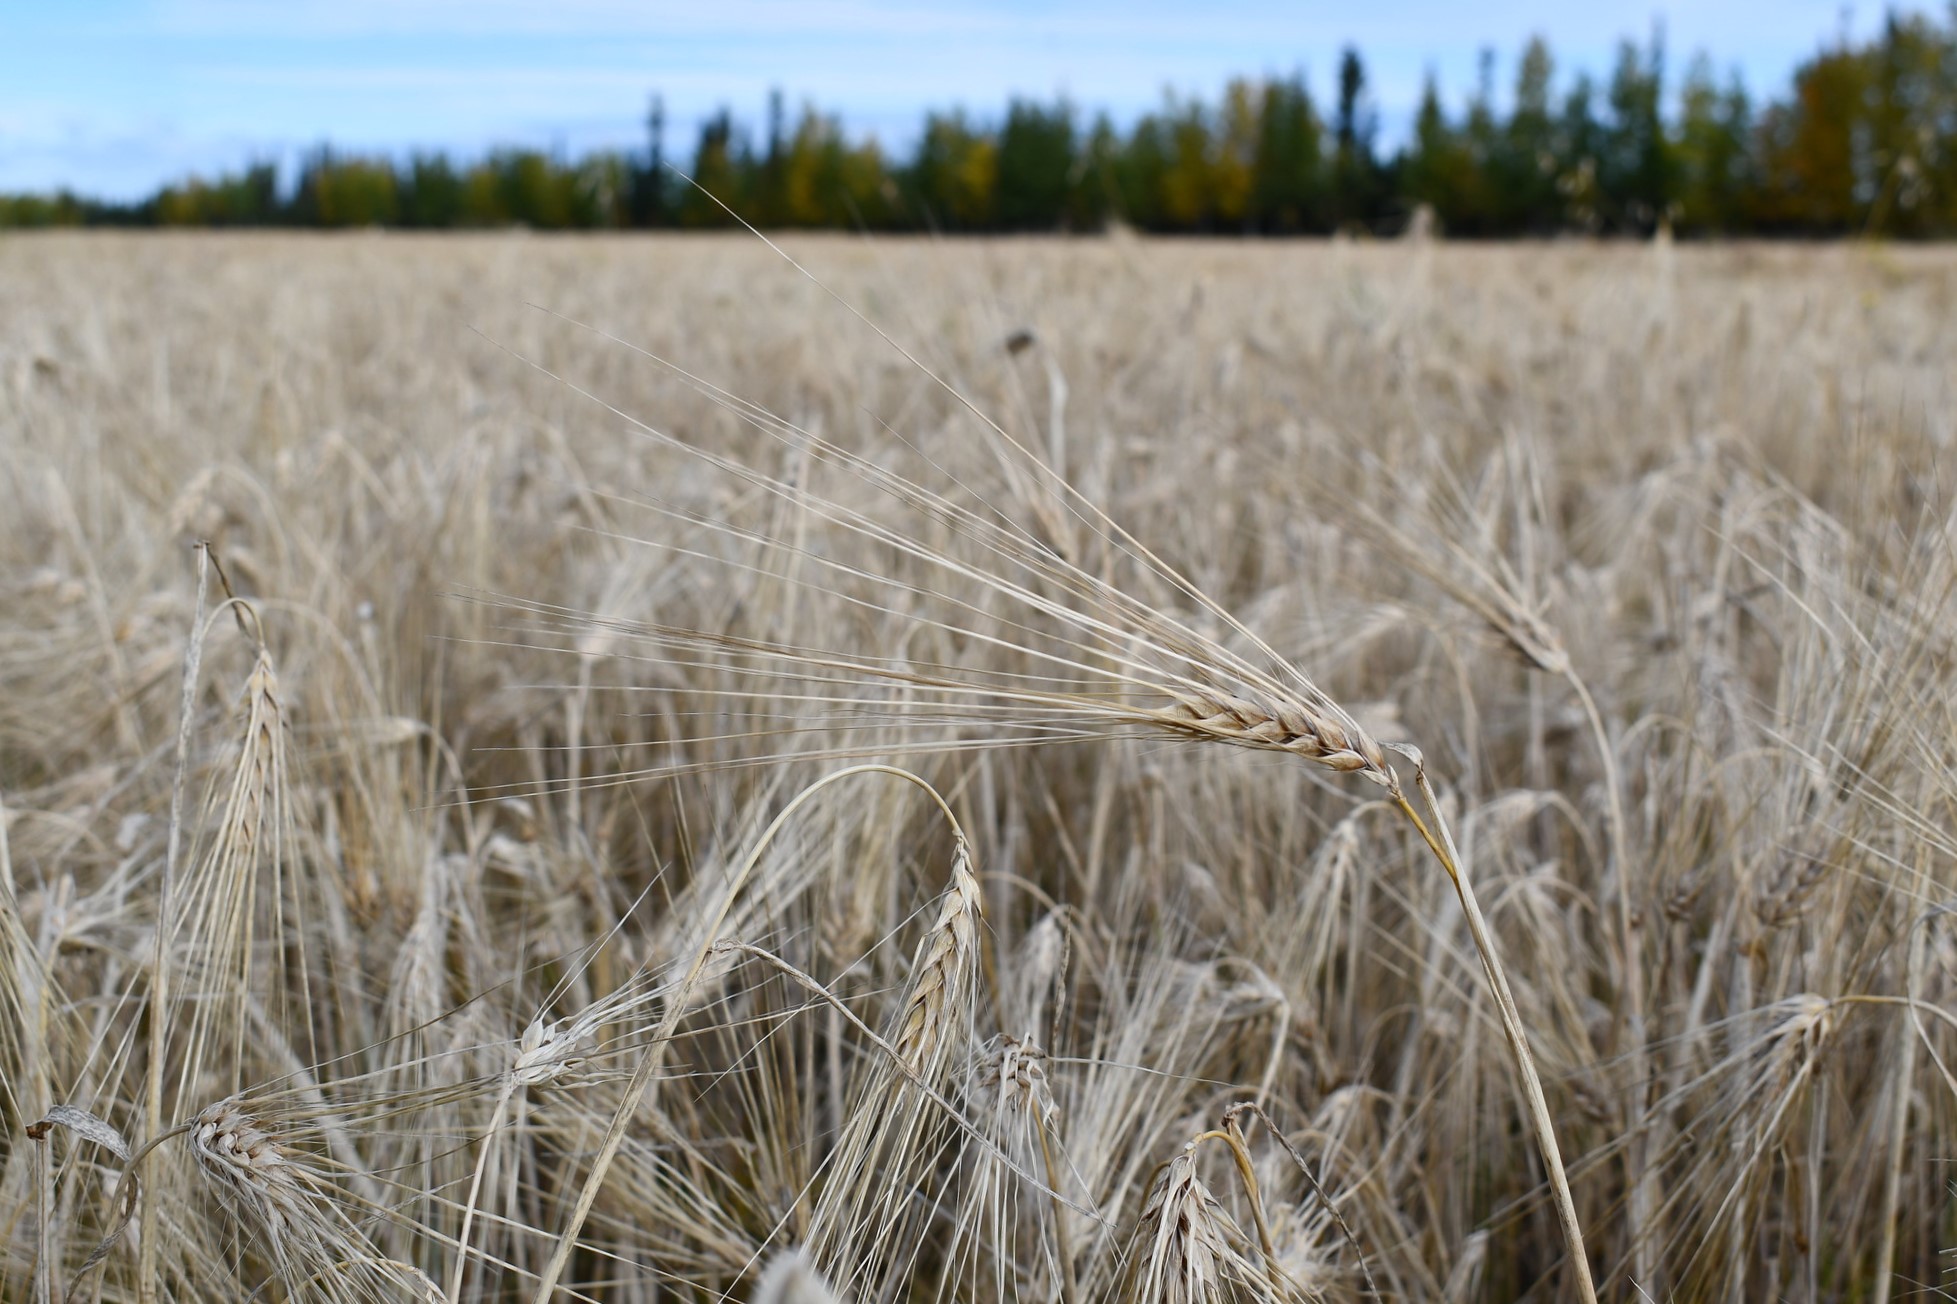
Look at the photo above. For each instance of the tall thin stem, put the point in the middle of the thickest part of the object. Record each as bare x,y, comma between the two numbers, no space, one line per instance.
1641,1181
1892,1180
1525,1061
159,1000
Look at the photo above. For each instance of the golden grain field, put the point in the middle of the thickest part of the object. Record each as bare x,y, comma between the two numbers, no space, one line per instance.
587,766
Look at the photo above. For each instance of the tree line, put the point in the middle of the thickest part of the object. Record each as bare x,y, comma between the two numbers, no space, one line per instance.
1863,140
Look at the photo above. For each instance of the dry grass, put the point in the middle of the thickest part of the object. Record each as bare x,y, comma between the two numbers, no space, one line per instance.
544,898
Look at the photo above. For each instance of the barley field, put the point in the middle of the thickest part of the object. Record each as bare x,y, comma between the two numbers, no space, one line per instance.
617,769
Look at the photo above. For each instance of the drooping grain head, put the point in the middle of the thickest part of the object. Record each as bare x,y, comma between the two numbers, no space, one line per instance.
1014,1070
1316,732
251,1171
1180,1243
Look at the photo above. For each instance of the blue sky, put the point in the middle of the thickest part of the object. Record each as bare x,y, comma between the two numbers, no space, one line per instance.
115,96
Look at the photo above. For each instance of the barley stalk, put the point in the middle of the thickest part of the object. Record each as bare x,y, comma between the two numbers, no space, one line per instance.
864,1219
1899,1105
1533,1100
943,969
1139,652
654,1055
159,997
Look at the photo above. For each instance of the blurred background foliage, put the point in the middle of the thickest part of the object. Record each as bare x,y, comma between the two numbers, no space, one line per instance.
1863,141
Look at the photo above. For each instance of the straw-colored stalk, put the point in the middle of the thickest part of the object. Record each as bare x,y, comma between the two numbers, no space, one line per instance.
680,997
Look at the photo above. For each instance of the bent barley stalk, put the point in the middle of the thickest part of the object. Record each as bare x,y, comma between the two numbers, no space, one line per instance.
1122,647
